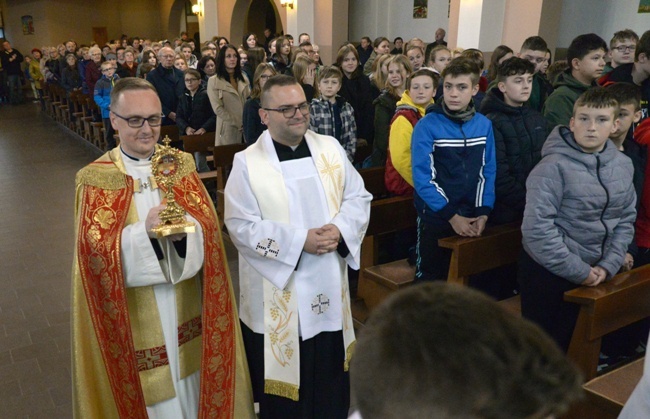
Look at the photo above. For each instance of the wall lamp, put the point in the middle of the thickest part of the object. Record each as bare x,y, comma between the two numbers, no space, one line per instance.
197,8
287,3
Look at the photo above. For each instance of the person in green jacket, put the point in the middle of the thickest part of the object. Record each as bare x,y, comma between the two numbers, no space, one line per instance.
586,58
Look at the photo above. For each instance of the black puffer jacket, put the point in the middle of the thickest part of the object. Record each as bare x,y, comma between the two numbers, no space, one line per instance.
357,92
519,134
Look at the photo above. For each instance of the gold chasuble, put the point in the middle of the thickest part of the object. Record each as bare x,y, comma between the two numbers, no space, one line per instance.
119,358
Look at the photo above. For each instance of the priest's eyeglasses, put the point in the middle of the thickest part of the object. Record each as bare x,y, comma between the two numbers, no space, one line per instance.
290,111
138,121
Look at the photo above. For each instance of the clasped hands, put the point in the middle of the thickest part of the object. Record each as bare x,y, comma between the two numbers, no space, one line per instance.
322,240
468,227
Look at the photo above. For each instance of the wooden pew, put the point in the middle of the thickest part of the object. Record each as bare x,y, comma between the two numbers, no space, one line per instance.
386,216
223,158
606,395
373,179
498,246
603,309
204,144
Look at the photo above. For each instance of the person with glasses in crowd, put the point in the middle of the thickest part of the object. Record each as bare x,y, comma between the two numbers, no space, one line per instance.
621,49
194,115
139,299
169,83
297,211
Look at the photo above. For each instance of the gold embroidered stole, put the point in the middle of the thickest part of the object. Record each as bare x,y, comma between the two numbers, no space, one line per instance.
126,323
281,334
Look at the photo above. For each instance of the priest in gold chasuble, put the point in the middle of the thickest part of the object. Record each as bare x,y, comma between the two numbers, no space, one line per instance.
154,324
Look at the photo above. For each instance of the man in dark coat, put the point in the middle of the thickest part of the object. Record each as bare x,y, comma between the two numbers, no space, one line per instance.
169,84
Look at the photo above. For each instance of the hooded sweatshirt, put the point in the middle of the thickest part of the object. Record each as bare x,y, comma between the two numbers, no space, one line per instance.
558,108
580,208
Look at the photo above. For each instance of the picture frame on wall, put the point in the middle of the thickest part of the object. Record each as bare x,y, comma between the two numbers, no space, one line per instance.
644,6
28,24
420,9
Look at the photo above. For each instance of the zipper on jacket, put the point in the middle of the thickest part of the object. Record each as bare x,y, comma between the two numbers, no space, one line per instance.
602,214
464,151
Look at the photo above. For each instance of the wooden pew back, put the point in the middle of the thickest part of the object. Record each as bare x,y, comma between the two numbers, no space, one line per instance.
223,159
373,179
498,246
606,308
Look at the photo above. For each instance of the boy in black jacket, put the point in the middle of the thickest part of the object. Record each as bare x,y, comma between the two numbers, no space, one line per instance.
519,134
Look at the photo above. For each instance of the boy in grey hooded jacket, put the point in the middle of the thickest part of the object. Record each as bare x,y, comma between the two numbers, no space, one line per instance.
579,216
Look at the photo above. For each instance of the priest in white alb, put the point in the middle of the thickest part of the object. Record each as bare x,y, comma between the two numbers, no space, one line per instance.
297,211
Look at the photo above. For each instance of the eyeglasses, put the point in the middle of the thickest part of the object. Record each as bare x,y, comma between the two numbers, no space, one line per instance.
290,111
138,121
190,80
109,69
167,57
624,48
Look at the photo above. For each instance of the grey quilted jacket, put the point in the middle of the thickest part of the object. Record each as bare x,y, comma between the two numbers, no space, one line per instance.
580,208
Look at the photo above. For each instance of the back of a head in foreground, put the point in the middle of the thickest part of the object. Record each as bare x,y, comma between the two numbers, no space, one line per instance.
128,84
445,351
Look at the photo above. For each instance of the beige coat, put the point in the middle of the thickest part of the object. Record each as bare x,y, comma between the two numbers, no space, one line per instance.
228,105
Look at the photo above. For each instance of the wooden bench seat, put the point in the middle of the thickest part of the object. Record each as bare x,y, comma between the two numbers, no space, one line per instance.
204,144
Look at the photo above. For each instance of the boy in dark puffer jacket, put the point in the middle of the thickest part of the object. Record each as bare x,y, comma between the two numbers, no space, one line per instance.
579,216
519,134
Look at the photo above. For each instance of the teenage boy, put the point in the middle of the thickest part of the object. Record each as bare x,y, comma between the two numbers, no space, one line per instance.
579,216
586,58
637,73
331,114
621,49
102,96
452,155
519,134
534,50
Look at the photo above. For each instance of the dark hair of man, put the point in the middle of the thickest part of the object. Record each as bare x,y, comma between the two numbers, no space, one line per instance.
583,45
289,36
498,53
462,66
305,44
221,64
598,98
514,66
474,54
259,70
120,48
626,94
281,80
128,84
398,39
367,38
643,46
422,72
378,41
303,34
534,43
440,350
623,35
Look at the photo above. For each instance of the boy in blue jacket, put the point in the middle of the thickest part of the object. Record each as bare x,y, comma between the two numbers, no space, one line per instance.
102,98
454,168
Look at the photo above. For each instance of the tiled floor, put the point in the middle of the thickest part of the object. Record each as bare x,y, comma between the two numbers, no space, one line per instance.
38,162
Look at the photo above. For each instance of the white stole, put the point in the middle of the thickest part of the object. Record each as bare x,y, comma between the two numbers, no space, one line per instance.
281,336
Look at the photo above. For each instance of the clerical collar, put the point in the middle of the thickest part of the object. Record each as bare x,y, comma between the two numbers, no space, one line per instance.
287,153
135,158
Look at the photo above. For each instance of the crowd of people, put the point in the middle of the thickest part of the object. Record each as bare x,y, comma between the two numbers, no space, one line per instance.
558,146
